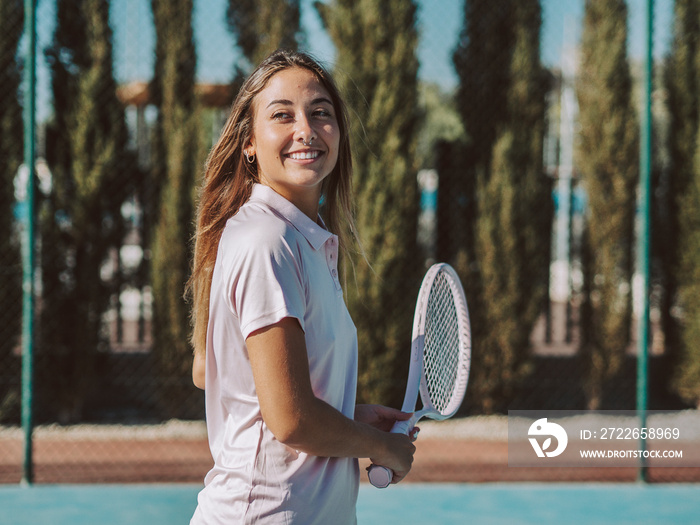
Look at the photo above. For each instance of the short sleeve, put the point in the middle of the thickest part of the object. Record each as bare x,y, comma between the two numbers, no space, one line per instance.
264,279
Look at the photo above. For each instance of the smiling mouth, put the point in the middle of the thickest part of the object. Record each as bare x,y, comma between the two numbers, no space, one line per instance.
304,155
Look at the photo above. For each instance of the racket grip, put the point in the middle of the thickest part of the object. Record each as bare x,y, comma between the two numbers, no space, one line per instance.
380,476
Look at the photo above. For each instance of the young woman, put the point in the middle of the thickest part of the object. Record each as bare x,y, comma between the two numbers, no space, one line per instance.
274,343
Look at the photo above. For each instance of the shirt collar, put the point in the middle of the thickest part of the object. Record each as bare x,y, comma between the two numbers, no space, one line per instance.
312,231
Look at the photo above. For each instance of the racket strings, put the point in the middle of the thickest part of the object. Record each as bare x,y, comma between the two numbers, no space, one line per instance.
442,345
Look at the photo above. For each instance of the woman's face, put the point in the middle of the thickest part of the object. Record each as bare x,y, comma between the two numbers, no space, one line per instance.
295,136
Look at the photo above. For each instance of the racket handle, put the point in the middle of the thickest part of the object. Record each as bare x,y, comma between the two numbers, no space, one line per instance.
380,476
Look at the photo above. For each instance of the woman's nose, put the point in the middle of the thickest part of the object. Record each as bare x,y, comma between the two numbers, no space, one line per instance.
304,130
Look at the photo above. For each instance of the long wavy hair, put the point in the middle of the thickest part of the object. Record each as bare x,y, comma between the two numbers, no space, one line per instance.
228,181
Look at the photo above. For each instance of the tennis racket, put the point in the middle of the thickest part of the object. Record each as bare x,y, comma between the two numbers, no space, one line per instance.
440,355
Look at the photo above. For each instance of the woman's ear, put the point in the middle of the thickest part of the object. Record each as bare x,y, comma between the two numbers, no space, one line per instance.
249,156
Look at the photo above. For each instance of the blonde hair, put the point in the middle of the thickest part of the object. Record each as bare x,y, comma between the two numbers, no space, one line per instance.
228,181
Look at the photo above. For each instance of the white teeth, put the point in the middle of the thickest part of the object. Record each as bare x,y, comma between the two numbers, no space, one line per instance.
303,155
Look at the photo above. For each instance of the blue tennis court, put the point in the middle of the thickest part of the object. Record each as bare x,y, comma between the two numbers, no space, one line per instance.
427,504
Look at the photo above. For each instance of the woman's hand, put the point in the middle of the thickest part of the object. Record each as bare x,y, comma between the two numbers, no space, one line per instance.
379,416
399,457
383,418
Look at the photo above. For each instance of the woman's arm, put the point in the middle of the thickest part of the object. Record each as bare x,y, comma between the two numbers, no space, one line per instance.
299,419
198,368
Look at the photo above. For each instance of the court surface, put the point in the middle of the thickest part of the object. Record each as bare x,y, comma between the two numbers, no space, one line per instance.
410,503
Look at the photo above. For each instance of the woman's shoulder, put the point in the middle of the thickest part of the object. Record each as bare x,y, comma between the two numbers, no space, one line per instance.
257,227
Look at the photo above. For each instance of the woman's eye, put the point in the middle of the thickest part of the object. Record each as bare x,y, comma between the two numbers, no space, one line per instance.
281,115
323,113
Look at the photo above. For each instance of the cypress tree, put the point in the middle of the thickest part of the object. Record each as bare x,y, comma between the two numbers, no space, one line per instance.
508,256
608,162
682,82
11,147
682,243
687,381
481,60
81,220
260,27
175,170
377,71
513,225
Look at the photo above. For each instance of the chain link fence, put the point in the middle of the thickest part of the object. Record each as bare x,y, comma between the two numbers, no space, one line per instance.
109,405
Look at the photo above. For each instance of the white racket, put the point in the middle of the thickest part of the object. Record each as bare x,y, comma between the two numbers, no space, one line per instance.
440,355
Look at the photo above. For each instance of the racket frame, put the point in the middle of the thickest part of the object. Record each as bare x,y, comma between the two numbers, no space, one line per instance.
417,382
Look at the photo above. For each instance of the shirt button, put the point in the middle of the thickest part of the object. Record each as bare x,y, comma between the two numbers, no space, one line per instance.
335,274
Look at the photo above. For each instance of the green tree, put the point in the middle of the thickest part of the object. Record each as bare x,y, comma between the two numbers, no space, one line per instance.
508,262
607,157
11,19
681,241
687,381
175,168
377,71
481,58
262,27
81,221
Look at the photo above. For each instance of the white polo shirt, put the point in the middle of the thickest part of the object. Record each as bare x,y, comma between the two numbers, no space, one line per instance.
274,262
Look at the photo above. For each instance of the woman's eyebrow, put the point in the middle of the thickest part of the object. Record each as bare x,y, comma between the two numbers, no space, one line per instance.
282,101
285,102
320,100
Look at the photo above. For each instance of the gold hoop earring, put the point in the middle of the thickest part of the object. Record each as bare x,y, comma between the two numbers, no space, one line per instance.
250,158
